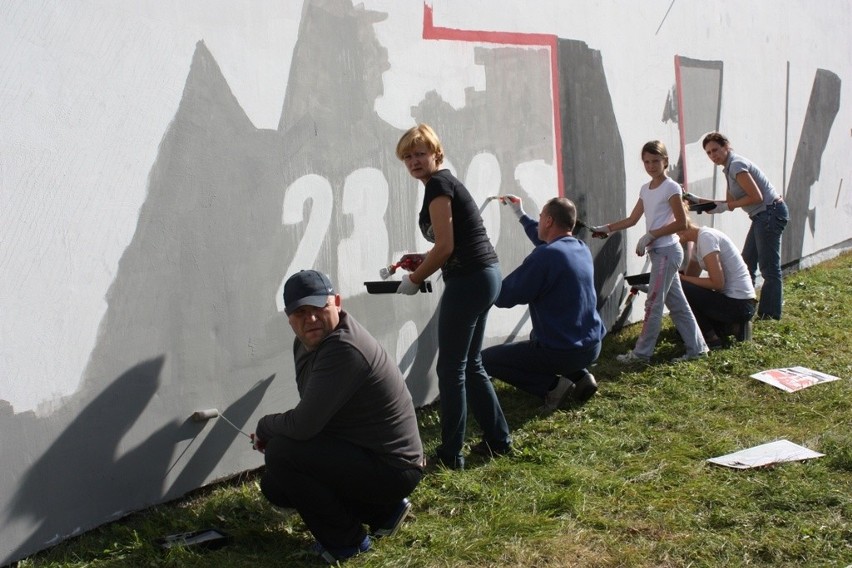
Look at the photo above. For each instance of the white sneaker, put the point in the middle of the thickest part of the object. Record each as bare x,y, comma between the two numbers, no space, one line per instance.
631,357
688,357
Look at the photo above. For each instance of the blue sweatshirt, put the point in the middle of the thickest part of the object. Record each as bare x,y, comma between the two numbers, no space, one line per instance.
557,281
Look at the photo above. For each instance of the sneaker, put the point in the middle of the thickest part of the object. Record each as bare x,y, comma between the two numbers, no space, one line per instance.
484,449
632,357
391,526
585,388
435,461
689,357
335,555
556,396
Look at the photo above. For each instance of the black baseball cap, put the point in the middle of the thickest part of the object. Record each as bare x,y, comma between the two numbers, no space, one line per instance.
307,288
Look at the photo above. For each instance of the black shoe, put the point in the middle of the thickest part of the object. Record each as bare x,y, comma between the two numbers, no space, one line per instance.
436,461
484,449
335,555
741,331
584,389
391,526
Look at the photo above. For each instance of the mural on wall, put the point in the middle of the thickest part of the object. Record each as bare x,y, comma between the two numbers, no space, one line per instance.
194,313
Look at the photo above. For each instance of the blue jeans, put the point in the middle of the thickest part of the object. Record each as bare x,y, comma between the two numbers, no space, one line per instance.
533,368
462,379
762,249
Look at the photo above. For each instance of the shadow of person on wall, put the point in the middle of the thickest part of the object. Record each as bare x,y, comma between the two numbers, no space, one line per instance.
78,476
79,482
218,440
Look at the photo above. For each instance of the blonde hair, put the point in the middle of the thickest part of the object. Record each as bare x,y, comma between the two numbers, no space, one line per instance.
422,133
690,223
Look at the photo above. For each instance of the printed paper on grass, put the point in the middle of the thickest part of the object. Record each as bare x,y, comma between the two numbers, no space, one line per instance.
766,454
791,379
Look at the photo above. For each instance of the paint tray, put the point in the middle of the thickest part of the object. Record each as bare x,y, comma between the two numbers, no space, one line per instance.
390,286
639,279
702,207
206,538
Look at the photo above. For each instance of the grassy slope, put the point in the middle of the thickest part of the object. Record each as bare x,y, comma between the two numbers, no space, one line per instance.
620,482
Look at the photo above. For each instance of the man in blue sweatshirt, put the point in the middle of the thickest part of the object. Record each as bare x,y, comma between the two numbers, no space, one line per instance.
557,281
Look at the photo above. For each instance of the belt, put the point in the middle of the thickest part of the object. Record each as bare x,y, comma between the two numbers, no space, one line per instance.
778,200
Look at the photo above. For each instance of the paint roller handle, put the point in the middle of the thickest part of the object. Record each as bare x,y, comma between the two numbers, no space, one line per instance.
408,262
411,261
514,203
257,443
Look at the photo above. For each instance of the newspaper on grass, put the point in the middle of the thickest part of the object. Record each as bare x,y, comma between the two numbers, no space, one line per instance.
766,454
791,379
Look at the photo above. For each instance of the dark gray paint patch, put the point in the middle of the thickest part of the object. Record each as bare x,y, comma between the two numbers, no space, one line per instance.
593,164
823,107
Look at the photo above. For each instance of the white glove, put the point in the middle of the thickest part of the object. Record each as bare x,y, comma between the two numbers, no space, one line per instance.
643,243
407,287
721,207
692,199
514,202
600,229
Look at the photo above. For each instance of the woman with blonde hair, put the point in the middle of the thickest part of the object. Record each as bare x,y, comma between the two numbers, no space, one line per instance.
450,219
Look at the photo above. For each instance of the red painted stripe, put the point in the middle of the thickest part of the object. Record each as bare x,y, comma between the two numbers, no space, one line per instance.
430,31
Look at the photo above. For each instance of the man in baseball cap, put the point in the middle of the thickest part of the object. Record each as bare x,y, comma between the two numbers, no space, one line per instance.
349,454
307,287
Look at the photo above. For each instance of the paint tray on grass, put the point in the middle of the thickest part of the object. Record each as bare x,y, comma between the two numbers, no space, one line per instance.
390,286
206,538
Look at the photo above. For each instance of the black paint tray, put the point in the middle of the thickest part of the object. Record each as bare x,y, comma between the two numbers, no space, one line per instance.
639,279
390,286
206,538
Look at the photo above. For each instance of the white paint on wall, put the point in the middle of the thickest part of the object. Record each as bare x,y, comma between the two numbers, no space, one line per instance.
360,256
88,90
418,66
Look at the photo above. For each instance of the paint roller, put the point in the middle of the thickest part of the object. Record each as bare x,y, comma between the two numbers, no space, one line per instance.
578,224
210,413
408,262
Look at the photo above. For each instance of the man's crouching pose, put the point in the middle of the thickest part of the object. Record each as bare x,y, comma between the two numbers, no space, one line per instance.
349,453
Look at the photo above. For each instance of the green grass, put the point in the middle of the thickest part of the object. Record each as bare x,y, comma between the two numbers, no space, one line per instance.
621,481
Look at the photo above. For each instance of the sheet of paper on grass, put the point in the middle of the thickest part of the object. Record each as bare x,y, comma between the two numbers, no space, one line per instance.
766,454
791,379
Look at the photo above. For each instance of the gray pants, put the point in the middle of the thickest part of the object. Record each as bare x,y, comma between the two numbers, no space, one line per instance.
664,290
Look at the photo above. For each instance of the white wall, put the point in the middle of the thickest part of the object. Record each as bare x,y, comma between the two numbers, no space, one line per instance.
103,112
